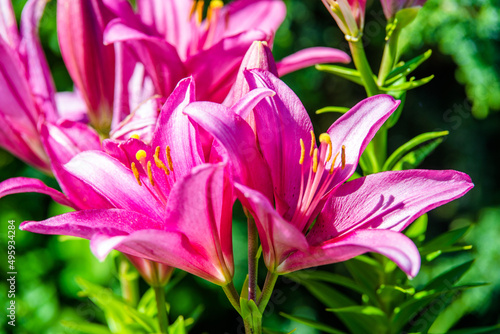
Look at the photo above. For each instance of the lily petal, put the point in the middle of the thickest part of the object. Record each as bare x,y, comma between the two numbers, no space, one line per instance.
8,25
389,200
309,57
396,246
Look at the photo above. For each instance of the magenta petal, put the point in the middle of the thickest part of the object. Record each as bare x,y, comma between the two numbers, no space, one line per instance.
278,237
309,57
238,139
23,185
8,25
355,129
396,246
71,106
389,200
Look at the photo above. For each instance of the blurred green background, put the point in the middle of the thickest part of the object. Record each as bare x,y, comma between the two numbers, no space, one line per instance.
463,98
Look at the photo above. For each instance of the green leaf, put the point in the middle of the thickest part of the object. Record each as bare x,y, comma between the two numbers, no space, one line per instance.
343,72
311,323
147,304
327,295
85,327
341,110
251,314
405,69
363,319
410,84
443,241
367,273
417,229
178,327
447,279
393,119
244,290
475,330
414,150
324,276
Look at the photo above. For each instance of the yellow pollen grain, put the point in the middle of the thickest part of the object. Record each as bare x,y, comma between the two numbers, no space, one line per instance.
315,160
136,173
333,162
325,138
302,151
216,4
150,174
140,155
169,159
313,141
343,156
135,136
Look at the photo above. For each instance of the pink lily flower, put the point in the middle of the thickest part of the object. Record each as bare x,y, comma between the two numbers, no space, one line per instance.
172,40
349,15
391,7
138,193
317,217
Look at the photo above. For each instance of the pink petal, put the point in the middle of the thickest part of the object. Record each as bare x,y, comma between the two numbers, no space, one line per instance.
389,200
394,245
309,57
355,129
19,185
8,25
278,237
71,106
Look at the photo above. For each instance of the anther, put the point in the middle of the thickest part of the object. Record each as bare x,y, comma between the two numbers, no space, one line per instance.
333,162
214,5
315,160
150,174
343,156
135,136
199,11
140,155
313,142
158,161
136,173
169,159
302,151
325,138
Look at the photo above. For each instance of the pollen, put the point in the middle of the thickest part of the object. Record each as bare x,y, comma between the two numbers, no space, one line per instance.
214,5
169,159
158,161
135,136
136,173
325,138
313,142
343,156
302,151
199,11
140,155
315,160
150,174
333,162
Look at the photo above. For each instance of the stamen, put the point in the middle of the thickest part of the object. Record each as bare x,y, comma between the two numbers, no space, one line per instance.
325,138
140,155
199,11
135,136
158,162
315,160
343,156
302,151
333,162
136,173
313,142
169,159
150,174
214,4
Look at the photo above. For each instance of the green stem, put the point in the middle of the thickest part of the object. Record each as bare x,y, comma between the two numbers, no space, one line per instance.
267,290
162,309
253,261
363,67
380,147
129,281
389,57
233,296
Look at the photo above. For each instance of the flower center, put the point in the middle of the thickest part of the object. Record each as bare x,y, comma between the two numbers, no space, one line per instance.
316,179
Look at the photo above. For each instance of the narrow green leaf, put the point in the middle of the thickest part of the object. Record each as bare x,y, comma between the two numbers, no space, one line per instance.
324,276
475,330
417,229
85,327
244,290
428,140
313,324
178,327
367,273
406,68
341,110
444,240
327,295
447,279
363,319
410,84
343,72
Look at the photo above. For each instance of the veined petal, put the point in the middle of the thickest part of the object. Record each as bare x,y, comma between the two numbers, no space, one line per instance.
396,246
115,182
19,185
71,106
355,129
389,200
279,238
309,57
8,25
219,65
281,122
238,139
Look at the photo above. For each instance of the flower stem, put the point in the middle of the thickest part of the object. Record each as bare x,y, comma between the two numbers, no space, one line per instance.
363,67
389,57
253,260
267,290
162,309
233,296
